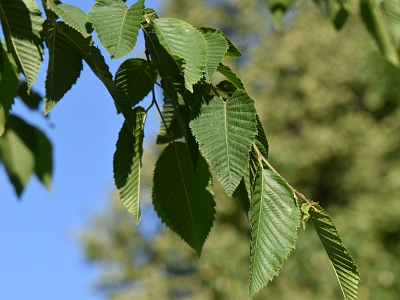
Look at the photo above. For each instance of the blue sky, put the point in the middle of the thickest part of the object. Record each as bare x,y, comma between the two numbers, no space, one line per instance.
40,257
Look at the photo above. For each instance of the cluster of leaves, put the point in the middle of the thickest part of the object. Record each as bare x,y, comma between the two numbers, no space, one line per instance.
185,60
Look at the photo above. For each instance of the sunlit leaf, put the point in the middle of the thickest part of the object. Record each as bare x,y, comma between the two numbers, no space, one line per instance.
183,40
275,218
116,25
226,147
127,163
22,22
183,198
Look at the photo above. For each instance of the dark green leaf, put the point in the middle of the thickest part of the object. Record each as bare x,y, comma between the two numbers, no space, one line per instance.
345,268
278,9
136,77
65,63
275,218
226,147
231,76
184,199
33,99
43,157
127,163
116,25
8,86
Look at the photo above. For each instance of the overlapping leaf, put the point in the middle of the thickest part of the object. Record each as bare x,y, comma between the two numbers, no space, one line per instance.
95,60
33,99
183,198
261,139
136,77
22,22
43,157
127,163
116,25
275,218
345,268
72,16
8,86
231,76
226,147
377,24
65,63
173,130
186,42
232,51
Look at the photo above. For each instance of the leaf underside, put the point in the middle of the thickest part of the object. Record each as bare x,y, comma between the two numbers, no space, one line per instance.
226,147
127,163
343,264
275,218
183,199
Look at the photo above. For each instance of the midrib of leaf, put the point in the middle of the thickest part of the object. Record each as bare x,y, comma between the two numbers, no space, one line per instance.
187,195
121,29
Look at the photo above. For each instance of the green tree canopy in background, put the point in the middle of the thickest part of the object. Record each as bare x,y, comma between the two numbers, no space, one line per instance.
332,110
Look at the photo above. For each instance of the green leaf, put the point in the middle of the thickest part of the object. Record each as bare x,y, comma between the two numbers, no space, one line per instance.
17,152
22,22
8,86
231,76
116,25
95,60
345,268
136,77
275,218
173,130
227,87
32,100
278,9
186,42
226,147
232,51
43,157
375,20
72,16
242,196
261,139
127,163
391,8
65,63
183,198
216,49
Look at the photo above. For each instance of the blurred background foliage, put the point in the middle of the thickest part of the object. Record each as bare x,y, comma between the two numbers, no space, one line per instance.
330,108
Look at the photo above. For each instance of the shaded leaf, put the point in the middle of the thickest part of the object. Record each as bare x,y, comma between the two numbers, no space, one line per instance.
72,16
242,195
184,41
278,9
261,139
116,25
8,86
184,199
345,268
232,51
173,130
226,147
43,157
65,63
33,99
22,22
275,218
231,76
127,163
136,77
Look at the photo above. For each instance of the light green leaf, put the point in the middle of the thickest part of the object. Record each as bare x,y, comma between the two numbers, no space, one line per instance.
226,147
186,42
65,63
22,22
43,157
17,152
216,49
275,218
391,8
8,85
116,25
232,51
136,77
375,20
72,16
95,60
127,163
183,198
345,268
231,76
